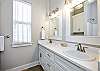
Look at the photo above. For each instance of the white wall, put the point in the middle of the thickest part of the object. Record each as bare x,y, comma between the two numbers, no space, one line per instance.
98,6
13,57
56,4
91,12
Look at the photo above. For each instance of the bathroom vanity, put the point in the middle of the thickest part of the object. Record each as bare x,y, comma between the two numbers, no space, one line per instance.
53,58
78,24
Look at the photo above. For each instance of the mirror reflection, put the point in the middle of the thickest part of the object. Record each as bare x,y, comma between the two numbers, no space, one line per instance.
56,26
84,19
79,20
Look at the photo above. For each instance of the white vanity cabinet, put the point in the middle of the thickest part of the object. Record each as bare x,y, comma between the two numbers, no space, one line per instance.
52,62
46,59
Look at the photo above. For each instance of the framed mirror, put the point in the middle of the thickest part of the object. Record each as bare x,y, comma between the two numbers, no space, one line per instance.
55,25
84,19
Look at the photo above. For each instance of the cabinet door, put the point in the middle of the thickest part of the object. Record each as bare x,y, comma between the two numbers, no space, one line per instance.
45,62
42,60
50,65
58,68
67,65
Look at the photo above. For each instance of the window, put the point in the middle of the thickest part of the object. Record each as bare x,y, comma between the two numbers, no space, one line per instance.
21,22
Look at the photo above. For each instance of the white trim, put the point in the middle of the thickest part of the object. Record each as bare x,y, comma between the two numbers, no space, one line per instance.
22,45
20,68
1,43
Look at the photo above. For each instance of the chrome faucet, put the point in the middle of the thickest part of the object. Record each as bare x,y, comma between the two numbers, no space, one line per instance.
84,49
50,40
80,48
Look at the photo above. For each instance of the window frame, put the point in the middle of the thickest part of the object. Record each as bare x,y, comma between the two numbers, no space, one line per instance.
21,44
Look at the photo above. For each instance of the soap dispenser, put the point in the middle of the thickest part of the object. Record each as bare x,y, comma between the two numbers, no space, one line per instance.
42,34
55,32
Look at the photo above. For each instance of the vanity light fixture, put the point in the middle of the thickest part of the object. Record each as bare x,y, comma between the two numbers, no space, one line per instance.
67,5
72,3
53,11
67,2
79,6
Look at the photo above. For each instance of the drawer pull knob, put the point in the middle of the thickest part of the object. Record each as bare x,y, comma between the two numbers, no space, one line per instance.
48,55
40,55
48,65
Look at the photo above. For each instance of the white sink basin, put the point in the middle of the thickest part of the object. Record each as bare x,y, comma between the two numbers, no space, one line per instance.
79,55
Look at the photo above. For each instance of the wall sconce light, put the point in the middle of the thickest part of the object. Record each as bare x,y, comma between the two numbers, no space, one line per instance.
53,11
67,2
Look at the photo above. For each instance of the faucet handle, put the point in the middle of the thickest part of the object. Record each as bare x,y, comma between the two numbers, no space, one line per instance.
78,48
84,49
50,40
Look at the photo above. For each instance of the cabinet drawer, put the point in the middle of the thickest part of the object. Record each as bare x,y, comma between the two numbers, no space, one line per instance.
47,53
50,55
68,64
42,48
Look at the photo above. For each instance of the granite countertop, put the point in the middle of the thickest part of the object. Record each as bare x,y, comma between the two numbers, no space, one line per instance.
59,50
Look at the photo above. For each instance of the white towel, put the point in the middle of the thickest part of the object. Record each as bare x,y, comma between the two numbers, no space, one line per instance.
1,43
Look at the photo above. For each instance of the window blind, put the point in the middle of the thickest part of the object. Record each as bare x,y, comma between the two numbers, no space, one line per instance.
21,22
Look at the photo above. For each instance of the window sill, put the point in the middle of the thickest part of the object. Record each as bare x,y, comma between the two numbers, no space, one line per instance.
22,45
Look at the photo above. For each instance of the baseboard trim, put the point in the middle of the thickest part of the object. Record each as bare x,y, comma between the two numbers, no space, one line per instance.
19,68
